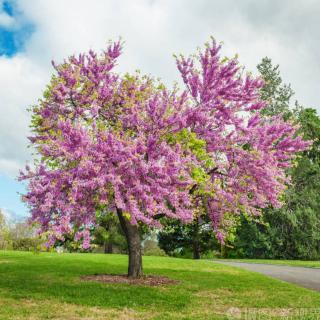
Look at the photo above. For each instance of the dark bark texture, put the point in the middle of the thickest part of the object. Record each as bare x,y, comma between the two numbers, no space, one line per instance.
196,239
134,246
108,248
196,250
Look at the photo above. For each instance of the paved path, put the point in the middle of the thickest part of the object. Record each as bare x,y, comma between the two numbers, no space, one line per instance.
302,276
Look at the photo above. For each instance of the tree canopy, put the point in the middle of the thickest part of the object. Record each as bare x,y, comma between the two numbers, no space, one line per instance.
128,145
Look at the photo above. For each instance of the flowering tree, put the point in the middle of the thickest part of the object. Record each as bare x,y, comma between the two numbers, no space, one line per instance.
126,145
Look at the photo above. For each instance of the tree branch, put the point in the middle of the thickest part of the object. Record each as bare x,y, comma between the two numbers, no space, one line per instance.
210,172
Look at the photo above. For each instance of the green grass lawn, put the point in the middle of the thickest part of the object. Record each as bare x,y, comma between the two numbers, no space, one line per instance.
48,286
296,263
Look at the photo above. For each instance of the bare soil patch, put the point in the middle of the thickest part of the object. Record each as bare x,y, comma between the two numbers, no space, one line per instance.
122,278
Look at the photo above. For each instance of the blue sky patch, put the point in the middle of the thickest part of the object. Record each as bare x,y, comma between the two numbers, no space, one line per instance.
7,7
9,196
13,39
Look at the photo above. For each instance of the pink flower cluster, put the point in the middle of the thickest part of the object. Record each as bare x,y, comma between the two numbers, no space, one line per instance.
104,142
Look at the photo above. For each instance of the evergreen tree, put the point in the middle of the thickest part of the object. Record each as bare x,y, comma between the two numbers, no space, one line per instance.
109,234
180,239
274,92
291,232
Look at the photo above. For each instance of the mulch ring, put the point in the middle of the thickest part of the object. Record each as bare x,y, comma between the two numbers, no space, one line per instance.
122,278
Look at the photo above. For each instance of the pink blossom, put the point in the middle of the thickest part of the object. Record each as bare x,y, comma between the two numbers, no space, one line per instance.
104,140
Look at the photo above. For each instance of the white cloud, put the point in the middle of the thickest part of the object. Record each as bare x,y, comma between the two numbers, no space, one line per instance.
5,20
21,82
153,30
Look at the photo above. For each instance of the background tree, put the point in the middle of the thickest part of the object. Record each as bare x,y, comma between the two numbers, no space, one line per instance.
196,237
109,234
17,235
151,246
275,93
291,232
127,145
2,220
24,237
5,242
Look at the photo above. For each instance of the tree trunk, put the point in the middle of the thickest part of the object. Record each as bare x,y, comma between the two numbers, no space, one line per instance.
195,240
223,251
108,247
196,250
134,245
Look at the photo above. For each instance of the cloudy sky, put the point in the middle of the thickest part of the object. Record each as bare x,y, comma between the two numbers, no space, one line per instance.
32,33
